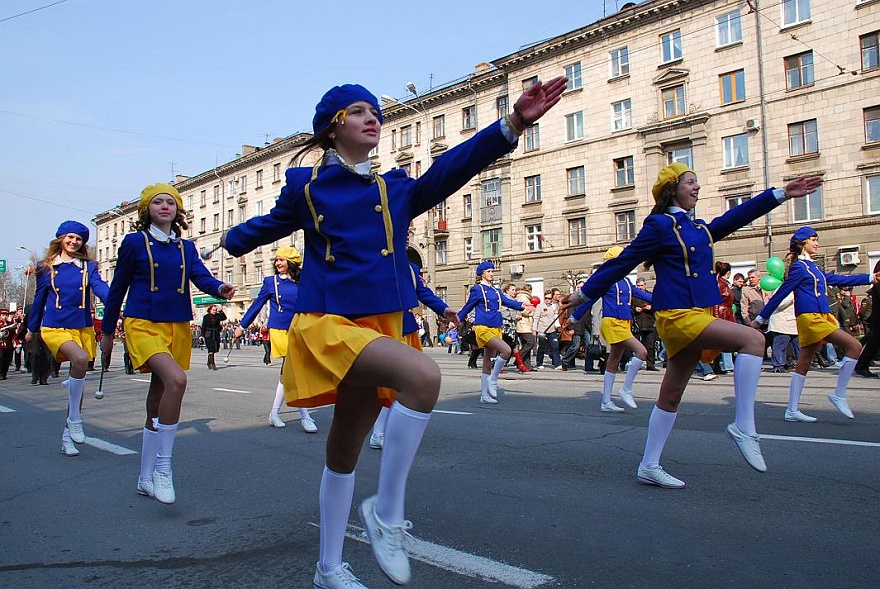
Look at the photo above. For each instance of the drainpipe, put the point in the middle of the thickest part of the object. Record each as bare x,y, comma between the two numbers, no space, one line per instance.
762,101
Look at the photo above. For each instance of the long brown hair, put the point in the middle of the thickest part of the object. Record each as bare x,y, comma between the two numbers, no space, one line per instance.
795,249
321,140
56,246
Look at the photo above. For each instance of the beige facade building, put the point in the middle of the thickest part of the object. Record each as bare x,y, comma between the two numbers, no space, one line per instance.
749,94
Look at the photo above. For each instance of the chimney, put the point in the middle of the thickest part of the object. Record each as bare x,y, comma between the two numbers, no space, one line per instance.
248,149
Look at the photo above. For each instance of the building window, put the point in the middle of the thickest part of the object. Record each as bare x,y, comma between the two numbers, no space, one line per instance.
808,208
533,238
626,225
231,189
259,211
683,154
872,124
259,178
202,226
229,277
533,137
259,271
216,193
243,184
621,115
393,139
492,243
203,198
441,251
574,126
674,102
406,136
624,172
803,138
468,206
577,231
243,271
576,181
407,167
529,82
670,46
468,248
619,63
573,73
795,11
799,70
242,213
418,133
728,29
438,129
733,87
872,187
230,218
736,150
533,188
502,106
216,221
491,201
276,172
469,117
868,44
735,201
418,169
374,152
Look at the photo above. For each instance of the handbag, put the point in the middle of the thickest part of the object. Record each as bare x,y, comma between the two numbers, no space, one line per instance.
594,350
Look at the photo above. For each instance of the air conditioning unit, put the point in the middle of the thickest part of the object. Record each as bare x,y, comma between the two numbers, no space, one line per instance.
752,125
517,269
849,258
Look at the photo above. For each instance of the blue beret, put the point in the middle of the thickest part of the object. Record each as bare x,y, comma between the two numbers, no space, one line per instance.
803,234
483,266
73,227
339,98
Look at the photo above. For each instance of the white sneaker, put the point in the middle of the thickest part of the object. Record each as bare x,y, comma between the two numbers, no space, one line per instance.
627,398
610,407
748,447
76,431
657,476
492,388
387,542
145,487
377,441
710,376
308,425
68,448
163,487
275,421
341,577
798,416
488,399
841,404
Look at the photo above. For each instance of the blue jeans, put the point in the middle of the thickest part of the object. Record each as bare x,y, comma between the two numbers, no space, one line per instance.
780,345
548,342
571,353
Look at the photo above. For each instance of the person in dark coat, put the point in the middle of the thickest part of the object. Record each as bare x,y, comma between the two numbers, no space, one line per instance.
211,327
871,342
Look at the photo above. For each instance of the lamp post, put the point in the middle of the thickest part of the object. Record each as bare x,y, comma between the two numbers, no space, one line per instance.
27,274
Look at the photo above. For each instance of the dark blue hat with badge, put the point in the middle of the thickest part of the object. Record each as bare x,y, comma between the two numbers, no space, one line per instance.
73,227
803,234
338,99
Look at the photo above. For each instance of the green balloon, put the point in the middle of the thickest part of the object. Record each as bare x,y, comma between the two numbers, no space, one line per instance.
776,267
770,283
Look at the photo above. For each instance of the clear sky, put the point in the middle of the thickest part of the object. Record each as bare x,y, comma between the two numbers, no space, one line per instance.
99,98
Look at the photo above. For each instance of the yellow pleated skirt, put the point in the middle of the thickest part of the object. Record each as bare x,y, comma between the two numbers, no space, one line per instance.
679,327
615,330
815,327
278,342
144,339
55,337
485,334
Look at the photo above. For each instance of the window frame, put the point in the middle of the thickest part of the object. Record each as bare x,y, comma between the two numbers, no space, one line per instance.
728,25
626,220
532,188
797,65
438,127
677,101
872,181
804,136
729,147
799,18
733,79
671,41
532,138
871,117
574,126
875,49
579,178
577,228
624,116
618,64
534,243
807,203
624,167
573,73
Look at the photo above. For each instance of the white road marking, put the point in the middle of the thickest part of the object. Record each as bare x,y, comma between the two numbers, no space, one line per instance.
6,409
821,441
140,380
451,412
104,445
232,391
463,563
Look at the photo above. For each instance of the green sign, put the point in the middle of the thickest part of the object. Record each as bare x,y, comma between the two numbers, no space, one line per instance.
2,266
208,300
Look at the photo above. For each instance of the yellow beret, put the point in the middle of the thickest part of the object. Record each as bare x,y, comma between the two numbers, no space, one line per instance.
612,253
152,191
668,175
289,253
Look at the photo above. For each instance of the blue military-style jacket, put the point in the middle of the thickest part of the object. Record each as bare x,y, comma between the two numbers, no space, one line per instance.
63,295
281,294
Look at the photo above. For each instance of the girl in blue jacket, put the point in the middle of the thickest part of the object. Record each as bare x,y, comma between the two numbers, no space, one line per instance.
815,322
345,341
62,313
155,266
681,249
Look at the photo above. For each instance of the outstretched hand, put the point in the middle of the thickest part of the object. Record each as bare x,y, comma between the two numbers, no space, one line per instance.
451,315
803,186
537,100
227,291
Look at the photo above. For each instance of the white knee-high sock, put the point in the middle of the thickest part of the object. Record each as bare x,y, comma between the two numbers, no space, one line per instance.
608,385
847,365
497,364
484,385
149,449
379,426
74,397
794,390
279,399
304,413
337,490
659,427
746,372
634,366
165,446
403,434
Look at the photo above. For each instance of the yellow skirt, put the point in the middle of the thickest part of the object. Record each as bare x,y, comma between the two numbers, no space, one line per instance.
679,327
144,339
615,330
485,334
321,349
84,337
278,342
815,327
413,340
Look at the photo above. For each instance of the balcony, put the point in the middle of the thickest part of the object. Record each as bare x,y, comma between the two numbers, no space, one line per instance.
491,214
441,226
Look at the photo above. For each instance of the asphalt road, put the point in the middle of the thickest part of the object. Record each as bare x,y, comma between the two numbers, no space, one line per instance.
537,491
